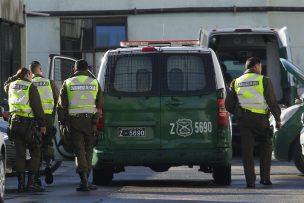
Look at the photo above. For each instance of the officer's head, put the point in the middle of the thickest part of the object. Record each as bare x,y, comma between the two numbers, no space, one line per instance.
24,73
81,65
254,64
36,68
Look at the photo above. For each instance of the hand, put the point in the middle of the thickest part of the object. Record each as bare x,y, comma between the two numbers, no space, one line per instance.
278,124
62,128
43,130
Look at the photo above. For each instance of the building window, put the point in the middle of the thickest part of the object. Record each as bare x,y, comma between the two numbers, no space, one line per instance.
108,36
87,38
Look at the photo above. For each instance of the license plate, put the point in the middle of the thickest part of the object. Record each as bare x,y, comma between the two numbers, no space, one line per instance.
132,132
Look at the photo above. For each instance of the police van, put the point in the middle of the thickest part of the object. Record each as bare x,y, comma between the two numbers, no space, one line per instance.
163,107
234,46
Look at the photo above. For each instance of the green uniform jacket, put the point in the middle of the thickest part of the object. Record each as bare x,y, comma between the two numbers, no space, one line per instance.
34,99
62,105
231,101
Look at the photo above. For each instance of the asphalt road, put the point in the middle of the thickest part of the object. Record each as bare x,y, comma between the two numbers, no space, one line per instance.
179,184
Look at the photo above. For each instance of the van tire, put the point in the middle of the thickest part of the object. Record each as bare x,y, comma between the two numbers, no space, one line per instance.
298,157
222,175
103,175
159,168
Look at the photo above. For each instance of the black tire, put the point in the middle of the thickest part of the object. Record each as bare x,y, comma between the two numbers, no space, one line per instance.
103,175
298,157
2,179
222,175
159,168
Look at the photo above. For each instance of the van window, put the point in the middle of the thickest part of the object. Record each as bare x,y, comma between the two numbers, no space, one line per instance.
188,73
129,74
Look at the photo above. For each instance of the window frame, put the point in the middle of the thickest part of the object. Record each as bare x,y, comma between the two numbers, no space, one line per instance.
210,87
110,76
110,22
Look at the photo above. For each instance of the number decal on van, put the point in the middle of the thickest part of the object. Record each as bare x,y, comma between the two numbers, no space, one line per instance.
184,127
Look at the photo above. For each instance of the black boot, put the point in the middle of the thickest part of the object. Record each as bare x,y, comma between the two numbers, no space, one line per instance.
21,182
49,178
38,178
32,186
91,186
84,182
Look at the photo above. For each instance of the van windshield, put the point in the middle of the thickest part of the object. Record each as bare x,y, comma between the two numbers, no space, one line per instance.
159,73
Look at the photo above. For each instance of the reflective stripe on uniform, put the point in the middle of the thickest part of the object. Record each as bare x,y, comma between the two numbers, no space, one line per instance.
82,92
46,93
250,92
18,98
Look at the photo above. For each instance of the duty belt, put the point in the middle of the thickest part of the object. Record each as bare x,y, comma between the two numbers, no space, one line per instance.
83,115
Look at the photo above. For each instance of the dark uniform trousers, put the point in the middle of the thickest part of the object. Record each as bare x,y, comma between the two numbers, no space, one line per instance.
255,128
22,130
83,140
47,139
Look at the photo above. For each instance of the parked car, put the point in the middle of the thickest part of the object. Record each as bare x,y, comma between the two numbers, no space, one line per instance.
3,136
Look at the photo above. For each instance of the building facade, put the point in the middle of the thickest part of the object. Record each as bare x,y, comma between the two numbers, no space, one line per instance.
86,29
12,39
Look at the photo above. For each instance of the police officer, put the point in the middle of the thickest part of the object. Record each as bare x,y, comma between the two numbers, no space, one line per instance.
79,97
250,99
25,113
49,97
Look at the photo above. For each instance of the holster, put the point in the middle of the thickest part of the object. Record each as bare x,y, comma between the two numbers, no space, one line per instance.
238,112
66,137
270,131
95,120
9,133
25,126
33,135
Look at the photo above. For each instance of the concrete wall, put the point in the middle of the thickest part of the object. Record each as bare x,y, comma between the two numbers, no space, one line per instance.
43,38
186,26
75,5
163,26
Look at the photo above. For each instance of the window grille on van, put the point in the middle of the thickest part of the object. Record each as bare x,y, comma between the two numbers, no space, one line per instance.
148,74
128,74
187,73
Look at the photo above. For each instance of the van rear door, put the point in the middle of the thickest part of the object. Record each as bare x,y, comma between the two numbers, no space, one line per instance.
188,101
285,51
131,102
60,68
294,70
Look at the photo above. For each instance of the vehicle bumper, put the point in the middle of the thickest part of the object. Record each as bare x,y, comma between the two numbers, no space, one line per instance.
210,157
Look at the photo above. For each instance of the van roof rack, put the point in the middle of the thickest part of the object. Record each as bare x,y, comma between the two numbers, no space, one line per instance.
159,43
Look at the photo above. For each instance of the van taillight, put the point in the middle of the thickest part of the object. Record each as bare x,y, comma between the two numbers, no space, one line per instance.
100,123
148,49
222,113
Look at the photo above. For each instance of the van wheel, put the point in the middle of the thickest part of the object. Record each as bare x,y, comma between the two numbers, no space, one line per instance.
103,175
298,157
222,175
